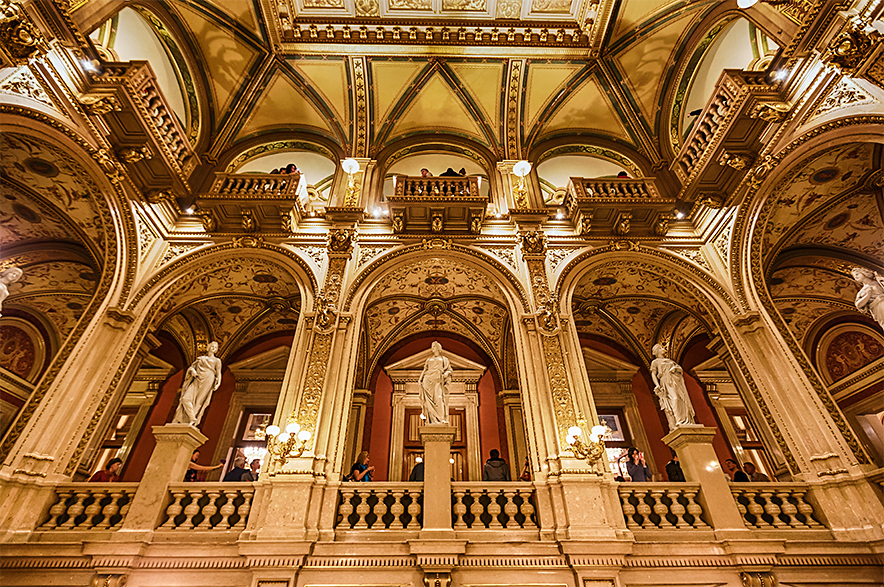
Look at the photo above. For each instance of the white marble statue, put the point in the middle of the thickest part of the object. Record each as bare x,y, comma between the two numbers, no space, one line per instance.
202,379
434,382
670,388
7,278
870,298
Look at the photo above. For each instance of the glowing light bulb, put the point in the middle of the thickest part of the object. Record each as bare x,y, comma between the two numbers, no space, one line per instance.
418,460
273,430
593,437
598,430
292,427
679,215
451,461
575,431
522,168
284,437
304,435
350,165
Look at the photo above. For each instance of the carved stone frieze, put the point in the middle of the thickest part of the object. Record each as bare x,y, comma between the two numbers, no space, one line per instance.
722,242
367,253
174,250
695,255
158,196
23,83
739,161
250,242
19,39
146,236
845,93
533,243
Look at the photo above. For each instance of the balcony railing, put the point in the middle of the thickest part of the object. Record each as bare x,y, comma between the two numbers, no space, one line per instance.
666,506
613,189
252,185
775,506
476,506
90,506
436,187
208,506
380,506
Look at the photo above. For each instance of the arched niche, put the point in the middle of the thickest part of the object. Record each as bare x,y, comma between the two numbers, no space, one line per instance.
436,158
555,168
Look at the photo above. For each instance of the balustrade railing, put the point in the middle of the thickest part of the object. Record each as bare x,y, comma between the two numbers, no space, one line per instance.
666,506
615,188
775,506
276,185
435,187
90,506
380,506
208,506
476,506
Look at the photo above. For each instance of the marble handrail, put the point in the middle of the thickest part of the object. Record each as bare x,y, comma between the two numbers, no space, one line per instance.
208,506
433,187
90,506
775,506
252,184
380,506
483,505
667,506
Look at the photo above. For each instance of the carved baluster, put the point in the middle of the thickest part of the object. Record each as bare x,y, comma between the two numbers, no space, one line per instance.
228,509
192,509
346,509
58,508
740,507
110,510
676,508
628,509
756,510
362,509
527,509
788,508
805,508
379,508
75,510
477,509
174,510
643,509
124,509
414,510
244,508
660,508
510,509
209,510
397,509
694,508
494,510
460,509
93,509
772,509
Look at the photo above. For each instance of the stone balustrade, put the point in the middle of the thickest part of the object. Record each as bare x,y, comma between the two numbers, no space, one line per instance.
775,506
208,506
612,189
476,506
274,185
665,506
436,187
380,506
90,506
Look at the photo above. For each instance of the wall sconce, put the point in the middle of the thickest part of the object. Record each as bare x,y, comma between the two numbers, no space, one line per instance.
520,170
591,451
290,443
351,166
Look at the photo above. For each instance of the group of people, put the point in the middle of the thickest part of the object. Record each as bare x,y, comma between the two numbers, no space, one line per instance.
638,471
288,169
111,472
447,173
495,469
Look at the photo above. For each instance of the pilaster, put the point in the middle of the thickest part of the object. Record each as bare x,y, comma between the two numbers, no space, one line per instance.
436,440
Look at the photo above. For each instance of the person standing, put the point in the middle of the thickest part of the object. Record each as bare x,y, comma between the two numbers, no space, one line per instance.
361,470
755,476
673,470
193,467
109,473
251,475
495,468
236,473
737,474
635,465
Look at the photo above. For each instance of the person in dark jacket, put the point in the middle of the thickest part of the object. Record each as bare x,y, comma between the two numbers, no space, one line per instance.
635,465
235,474
496,468
673,470
736,473
109,474
417,472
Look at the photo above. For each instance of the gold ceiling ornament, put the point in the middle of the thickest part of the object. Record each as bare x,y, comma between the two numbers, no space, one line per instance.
19,39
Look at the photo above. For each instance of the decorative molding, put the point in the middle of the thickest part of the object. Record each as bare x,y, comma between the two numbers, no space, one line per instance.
24,83
845,93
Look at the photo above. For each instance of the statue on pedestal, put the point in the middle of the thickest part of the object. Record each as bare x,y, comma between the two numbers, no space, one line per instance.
434,382
201,380
7,278
870,297
670,388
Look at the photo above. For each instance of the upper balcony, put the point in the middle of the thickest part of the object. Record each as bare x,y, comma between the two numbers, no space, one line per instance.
437,204
252,202
147,135
617,207
728,133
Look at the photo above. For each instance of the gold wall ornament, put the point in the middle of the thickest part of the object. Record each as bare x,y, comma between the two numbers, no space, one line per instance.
351,167
19,39
593,448
98,105
158,196
758,579
209,220
533,243
398,222
436,225
249,242
713,200
623,224
135,154
341,241
249,221
327,312
775,112
586,223
661,225
308,406
850,50
738,161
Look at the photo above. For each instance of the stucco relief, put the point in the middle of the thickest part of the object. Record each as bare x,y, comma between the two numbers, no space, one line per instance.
854,224
849,352
437,277
26,220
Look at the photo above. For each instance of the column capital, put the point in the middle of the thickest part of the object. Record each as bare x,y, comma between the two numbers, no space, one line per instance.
436,433
687,435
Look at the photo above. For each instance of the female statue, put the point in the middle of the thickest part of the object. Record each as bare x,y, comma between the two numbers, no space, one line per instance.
870,297
7,278
434,382
670,388
202,379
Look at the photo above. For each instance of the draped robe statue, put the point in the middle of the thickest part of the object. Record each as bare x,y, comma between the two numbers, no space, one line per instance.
670,388
201,380
434,382
870,297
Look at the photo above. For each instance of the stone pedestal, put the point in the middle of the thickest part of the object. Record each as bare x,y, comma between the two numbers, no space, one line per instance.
436,440
693,444
168,464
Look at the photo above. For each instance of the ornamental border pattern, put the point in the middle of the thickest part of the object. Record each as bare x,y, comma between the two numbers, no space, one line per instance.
308,403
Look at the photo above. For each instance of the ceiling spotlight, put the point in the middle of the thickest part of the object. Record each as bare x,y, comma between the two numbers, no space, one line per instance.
190,210
88,65
744,4
780,74
679,214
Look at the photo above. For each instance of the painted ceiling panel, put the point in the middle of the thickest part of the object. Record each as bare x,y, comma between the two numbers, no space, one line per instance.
633,14
329,78
273,322
225,57
384,317
587,108
20,221
640,317
435,278
644,64
543,83
854,224
227,316
242,11
437,108
389,81
812,282
54,276
63,310
282,104
483,81
801,313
